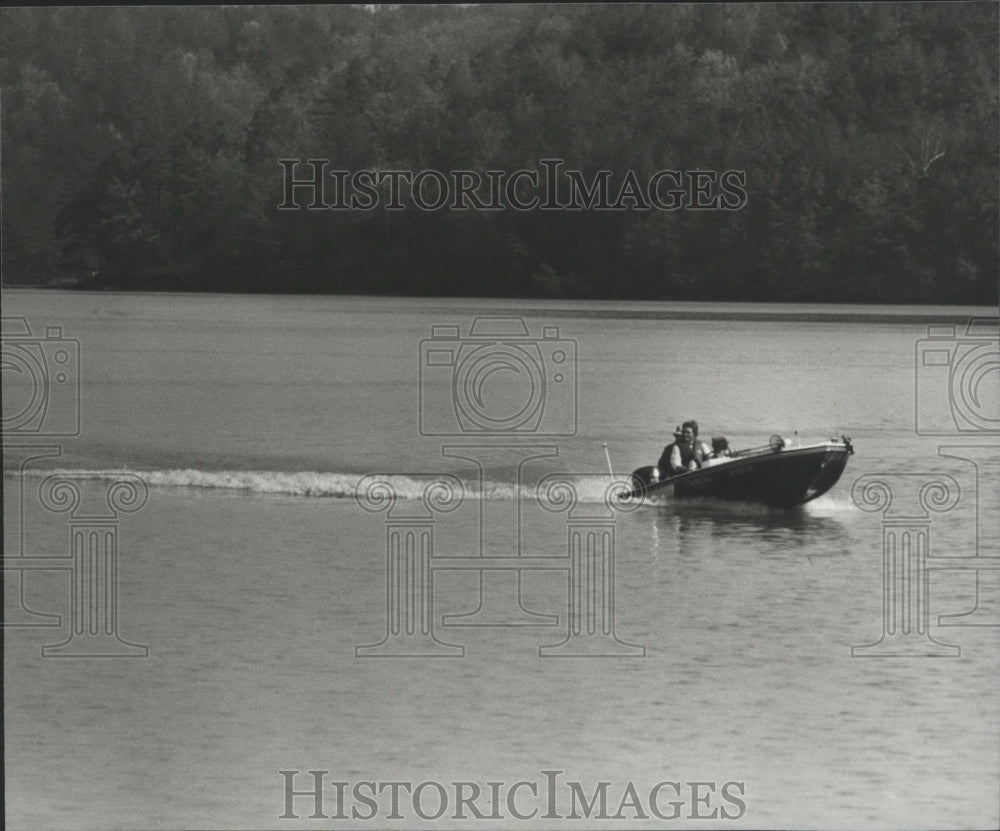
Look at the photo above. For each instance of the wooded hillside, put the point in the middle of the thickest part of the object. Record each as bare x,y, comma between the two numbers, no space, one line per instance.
143,144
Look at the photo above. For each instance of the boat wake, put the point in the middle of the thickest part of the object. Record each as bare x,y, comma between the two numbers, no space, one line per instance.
331,485
830,504
713,506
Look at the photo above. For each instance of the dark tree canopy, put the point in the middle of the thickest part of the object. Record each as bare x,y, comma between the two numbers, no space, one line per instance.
141,147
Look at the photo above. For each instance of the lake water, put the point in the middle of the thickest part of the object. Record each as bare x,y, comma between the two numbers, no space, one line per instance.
249,575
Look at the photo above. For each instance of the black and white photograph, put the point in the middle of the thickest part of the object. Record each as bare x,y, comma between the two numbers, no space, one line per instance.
555,417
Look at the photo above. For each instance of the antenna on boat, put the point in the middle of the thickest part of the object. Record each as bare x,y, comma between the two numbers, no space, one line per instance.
607,456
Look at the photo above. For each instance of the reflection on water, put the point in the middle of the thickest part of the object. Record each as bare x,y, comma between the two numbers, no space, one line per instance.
692,522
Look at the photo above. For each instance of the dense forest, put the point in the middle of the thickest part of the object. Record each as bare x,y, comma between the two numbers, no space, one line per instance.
141,148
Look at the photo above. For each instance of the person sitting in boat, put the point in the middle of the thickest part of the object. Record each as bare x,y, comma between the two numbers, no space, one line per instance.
720,452
662,469
686,453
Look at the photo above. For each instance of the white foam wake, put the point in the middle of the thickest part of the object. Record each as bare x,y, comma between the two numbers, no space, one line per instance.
331,484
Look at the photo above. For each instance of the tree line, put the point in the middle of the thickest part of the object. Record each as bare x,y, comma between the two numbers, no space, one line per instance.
142,148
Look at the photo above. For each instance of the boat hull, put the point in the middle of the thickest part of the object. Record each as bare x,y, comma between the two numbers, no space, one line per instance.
781,478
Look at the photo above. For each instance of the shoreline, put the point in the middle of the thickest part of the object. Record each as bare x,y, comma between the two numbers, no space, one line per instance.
601,309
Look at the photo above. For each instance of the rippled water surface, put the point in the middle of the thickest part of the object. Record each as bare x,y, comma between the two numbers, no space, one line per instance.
252,574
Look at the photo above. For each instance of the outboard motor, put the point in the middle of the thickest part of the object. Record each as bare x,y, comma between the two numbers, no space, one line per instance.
644,476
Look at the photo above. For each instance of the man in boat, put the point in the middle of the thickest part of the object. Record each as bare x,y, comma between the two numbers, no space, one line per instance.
686,452
720,452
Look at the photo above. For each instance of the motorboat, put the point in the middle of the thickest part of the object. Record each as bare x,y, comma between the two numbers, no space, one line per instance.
780,474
